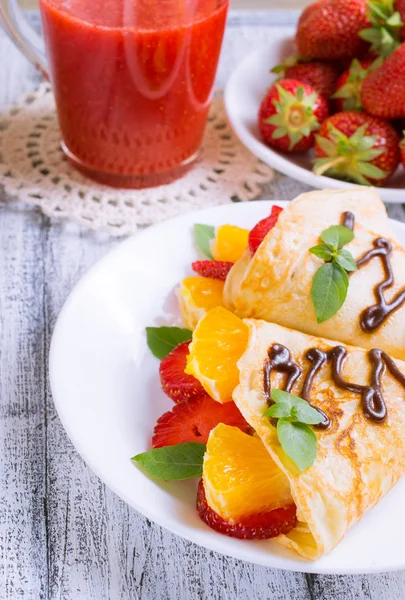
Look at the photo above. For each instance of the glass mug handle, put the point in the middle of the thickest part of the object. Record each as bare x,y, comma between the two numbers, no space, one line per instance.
22,34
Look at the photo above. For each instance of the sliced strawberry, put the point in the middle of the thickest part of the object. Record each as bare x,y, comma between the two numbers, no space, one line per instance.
192,421
262,228
176,384
260,526
214,269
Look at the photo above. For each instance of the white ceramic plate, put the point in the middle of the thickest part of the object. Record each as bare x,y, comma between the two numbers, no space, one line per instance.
243,95
106,388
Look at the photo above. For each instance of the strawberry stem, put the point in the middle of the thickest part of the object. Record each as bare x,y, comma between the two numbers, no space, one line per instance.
321,169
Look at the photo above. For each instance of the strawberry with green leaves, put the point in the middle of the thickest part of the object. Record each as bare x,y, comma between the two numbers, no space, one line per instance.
383,90
329,29
349,84
322,76
357,147
289,115
386,26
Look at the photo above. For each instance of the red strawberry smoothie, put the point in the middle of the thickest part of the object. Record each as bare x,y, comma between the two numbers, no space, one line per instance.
133,81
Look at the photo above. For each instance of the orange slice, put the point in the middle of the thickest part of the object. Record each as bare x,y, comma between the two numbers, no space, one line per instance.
230,243
240,477
219,340
197,295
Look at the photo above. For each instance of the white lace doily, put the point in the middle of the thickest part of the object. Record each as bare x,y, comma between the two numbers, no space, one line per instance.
34,169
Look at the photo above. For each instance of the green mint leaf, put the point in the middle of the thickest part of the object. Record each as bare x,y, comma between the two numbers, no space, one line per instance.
346,260
298,408
277,411
329,290
203,236
282,396
162,340
298,441
337,236
322,251
305,413
173,463
294,413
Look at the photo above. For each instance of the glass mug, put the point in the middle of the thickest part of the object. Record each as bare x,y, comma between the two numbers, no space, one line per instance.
133,81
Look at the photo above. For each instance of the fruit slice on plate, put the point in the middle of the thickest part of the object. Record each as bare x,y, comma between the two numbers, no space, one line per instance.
243,492
198,295
261,526
219,340
214,269
262,228
192,421
176,384
230,243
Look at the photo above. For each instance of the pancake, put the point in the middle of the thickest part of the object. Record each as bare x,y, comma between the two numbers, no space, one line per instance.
275,284
359,459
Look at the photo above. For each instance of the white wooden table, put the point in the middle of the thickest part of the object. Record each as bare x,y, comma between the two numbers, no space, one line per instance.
63,534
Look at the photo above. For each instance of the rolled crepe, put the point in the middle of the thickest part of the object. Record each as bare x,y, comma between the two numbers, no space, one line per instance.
358,460
275,284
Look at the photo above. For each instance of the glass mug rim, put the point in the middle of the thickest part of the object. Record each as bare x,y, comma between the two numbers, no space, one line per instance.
163,141
134,27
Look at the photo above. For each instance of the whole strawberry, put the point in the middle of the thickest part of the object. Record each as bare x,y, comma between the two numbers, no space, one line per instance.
357,147
321,76
290,113
349,84
329,29
383,91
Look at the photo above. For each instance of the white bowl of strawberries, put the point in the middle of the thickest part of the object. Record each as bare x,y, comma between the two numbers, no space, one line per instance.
328,107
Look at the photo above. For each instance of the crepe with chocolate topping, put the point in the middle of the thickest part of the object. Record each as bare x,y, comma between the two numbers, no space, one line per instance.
359,459
275,283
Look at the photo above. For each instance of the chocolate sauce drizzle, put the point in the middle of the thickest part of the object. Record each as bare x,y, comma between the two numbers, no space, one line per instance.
279,359
348,219
317,358
374,316
372,401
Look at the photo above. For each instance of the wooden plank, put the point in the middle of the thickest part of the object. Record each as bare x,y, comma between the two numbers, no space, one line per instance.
162,566
23,547
77,515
